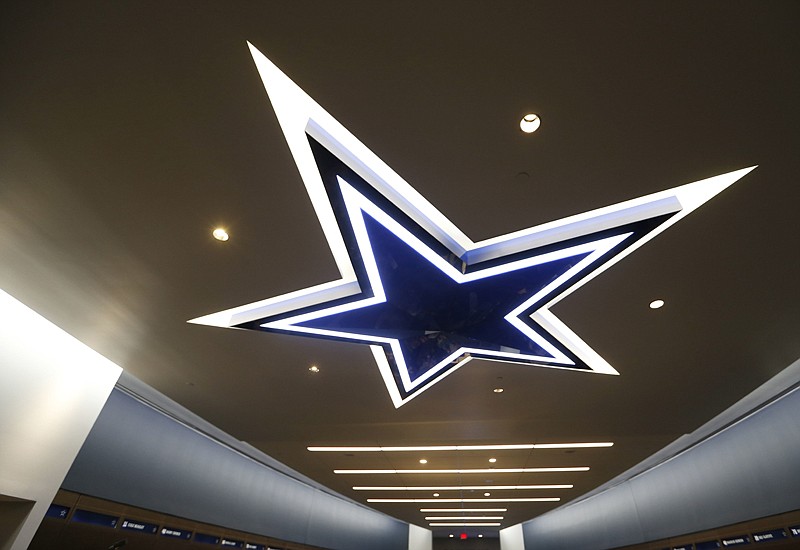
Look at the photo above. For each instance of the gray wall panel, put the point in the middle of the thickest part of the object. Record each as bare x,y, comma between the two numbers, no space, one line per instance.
745,471
748,471
591,524
354,527
139,456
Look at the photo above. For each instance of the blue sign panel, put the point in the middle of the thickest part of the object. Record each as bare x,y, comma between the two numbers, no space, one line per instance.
764,536
176,533
57,511
251,546
735,541
206,539
795,531
142,527
232,543
94,518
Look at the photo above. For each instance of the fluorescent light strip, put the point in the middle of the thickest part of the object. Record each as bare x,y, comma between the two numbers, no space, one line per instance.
469,471
458,447
465,525
462,488
442,510
454,518
572,445
543,499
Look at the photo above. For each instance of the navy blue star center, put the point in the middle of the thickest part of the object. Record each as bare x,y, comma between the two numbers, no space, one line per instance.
432,315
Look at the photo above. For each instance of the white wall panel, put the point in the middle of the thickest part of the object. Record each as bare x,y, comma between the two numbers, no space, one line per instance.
419,538
511,538
52,388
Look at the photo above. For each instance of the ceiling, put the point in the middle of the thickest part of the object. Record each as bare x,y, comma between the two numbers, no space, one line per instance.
130,130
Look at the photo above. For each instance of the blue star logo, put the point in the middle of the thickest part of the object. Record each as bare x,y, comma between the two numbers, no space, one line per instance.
421,294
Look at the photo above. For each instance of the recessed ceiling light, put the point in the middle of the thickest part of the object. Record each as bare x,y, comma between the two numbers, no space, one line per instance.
498,390
423,461
530,123
452,535
436,494
313,368
220,234
487,494
480,535
655,304
492,460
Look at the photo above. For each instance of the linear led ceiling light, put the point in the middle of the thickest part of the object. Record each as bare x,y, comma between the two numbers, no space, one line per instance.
462,488
469,471
390,244
425,448
443,510
453,518
406,500
464,524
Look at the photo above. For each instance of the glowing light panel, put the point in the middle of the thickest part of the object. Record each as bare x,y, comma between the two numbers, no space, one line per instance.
489,524
470,471
461,487
441,510
448,518
502,447
489,299
398,500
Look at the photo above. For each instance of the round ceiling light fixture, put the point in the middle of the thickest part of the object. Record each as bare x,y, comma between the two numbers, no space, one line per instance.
498,390
655,304
423,460
313,368
530,123
220,234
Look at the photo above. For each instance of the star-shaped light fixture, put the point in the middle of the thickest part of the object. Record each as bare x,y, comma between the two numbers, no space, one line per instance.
419,292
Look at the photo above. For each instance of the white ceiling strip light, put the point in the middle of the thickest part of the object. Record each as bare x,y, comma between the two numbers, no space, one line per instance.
469,471
462,518
542,499
443,510
459,447
462,488
465,525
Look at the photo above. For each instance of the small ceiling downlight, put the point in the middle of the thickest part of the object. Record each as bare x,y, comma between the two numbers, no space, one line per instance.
530,123
220,234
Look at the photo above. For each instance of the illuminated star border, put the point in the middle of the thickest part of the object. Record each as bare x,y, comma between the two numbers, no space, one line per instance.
348,185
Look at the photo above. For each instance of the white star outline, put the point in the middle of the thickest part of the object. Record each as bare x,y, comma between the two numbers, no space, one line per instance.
300,116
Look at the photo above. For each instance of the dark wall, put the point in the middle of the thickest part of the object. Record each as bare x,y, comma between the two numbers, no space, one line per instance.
473,543
746,470
139,456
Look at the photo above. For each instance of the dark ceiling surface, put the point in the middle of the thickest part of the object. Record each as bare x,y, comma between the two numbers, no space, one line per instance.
131,129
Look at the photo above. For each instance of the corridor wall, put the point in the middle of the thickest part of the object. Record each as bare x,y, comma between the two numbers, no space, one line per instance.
741,465
141,456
